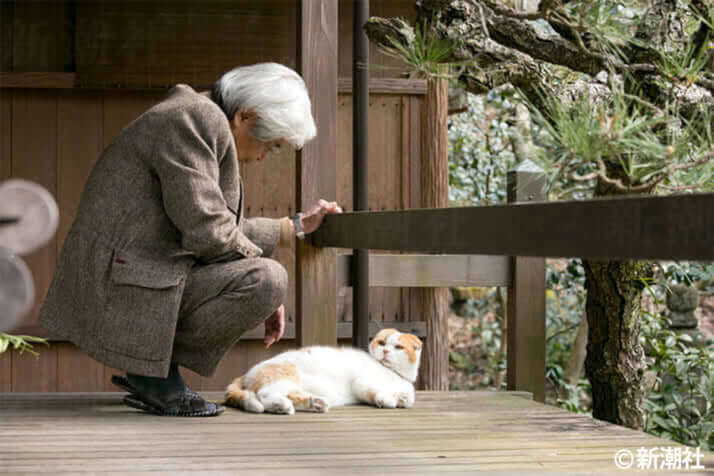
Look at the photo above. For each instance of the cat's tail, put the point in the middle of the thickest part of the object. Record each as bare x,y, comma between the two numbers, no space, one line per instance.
237,396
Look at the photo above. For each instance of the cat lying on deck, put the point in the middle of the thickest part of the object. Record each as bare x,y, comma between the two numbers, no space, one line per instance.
317,378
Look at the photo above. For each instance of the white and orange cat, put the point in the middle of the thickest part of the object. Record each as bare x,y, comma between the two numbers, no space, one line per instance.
317,378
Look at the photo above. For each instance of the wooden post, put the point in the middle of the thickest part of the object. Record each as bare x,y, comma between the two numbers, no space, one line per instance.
360,176
434,302
316,286
525,369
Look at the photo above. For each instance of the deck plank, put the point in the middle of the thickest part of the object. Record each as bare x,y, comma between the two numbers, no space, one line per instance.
445,433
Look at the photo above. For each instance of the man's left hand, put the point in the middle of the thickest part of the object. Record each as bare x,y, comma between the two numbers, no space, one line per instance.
274,327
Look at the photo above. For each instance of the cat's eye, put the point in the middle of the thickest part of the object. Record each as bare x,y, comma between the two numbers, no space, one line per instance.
380,342
399,347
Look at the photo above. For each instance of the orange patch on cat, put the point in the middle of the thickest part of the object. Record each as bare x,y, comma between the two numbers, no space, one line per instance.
271,372
411,345
235,394
301,400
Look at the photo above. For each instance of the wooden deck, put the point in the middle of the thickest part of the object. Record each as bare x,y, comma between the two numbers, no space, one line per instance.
445,433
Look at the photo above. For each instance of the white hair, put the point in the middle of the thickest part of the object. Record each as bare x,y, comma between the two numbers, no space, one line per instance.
278,96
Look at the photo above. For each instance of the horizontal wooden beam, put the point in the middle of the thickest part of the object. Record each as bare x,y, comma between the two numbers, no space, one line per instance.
386,86
674,227
386,270
38,80
57,80
344,330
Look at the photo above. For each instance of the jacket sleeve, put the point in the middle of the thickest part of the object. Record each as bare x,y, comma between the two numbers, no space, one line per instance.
186,160
264,232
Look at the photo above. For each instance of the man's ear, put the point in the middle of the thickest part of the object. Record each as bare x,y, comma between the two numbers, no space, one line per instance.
243,115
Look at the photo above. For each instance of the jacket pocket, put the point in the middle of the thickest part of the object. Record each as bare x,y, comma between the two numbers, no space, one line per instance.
142,306
139,271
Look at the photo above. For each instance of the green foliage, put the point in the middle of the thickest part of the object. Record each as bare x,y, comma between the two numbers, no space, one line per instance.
680,407
651,146
565,301
21,343
479,150
488,332
693,274
426,56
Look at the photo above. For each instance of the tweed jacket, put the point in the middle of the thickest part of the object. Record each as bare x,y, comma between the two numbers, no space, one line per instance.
163,196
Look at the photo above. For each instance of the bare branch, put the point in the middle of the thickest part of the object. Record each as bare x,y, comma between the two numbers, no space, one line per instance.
584,178
620,187
690,165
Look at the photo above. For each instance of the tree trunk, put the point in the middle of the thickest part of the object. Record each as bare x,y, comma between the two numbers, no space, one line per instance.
615,359
434,302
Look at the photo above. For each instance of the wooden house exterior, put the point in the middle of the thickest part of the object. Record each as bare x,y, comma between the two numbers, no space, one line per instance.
73,73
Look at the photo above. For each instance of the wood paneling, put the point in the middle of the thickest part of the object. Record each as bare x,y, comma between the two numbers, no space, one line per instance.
109,372
35,374
76,371
160,43
381,65
6,372
35,80
389,167
5,134
386,86
79,144
34,158
7,15
430,270
316,293
39,36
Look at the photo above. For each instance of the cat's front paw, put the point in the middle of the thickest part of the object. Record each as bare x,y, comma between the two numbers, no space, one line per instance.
281,406
405,400
319,404
385,400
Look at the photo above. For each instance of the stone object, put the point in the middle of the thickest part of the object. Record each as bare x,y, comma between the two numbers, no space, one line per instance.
682,298
682,301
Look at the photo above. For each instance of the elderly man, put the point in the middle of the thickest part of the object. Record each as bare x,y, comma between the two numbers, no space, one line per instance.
160,267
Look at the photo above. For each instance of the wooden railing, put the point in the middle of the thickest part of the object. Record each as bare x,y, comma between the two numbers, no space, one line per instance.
506,245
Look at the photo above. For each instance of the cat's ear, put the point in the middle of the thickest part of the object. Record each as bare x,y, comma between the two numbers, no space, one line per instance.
412,340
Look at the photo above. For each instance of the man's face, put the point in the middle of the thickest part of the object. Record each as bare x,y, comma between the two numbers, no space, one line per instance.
247,146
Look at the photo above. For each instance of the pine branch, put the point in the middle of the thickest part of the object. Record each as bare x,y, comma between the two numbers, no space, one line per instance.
698,162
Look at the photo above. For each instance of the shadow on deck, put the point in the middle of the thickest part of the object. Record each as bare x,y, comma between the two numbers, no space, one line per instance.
445,433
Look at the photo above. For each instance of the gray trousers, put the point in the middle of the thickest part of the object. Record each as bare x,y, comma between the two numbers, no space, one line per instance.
220,303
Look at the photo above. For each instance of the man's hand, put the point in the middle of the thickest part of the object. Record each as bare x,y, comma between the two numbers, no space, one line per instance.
312,219
274,327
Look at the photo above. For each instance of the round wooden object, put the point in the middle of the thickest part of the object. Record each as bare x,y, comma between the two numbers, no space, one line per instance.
36,213
17,291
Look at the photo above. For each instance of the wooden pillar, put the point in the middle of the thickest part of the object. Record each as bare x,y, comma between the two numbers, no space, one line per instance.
525,369
360,176
316,286
434,302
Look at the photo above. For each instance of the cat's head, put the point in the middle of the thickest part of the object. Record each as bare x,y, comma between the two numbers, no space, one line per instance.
397,351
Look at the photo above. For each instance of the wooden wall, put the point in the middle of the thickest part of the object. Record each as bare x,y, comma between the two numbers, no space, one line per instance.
54,136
